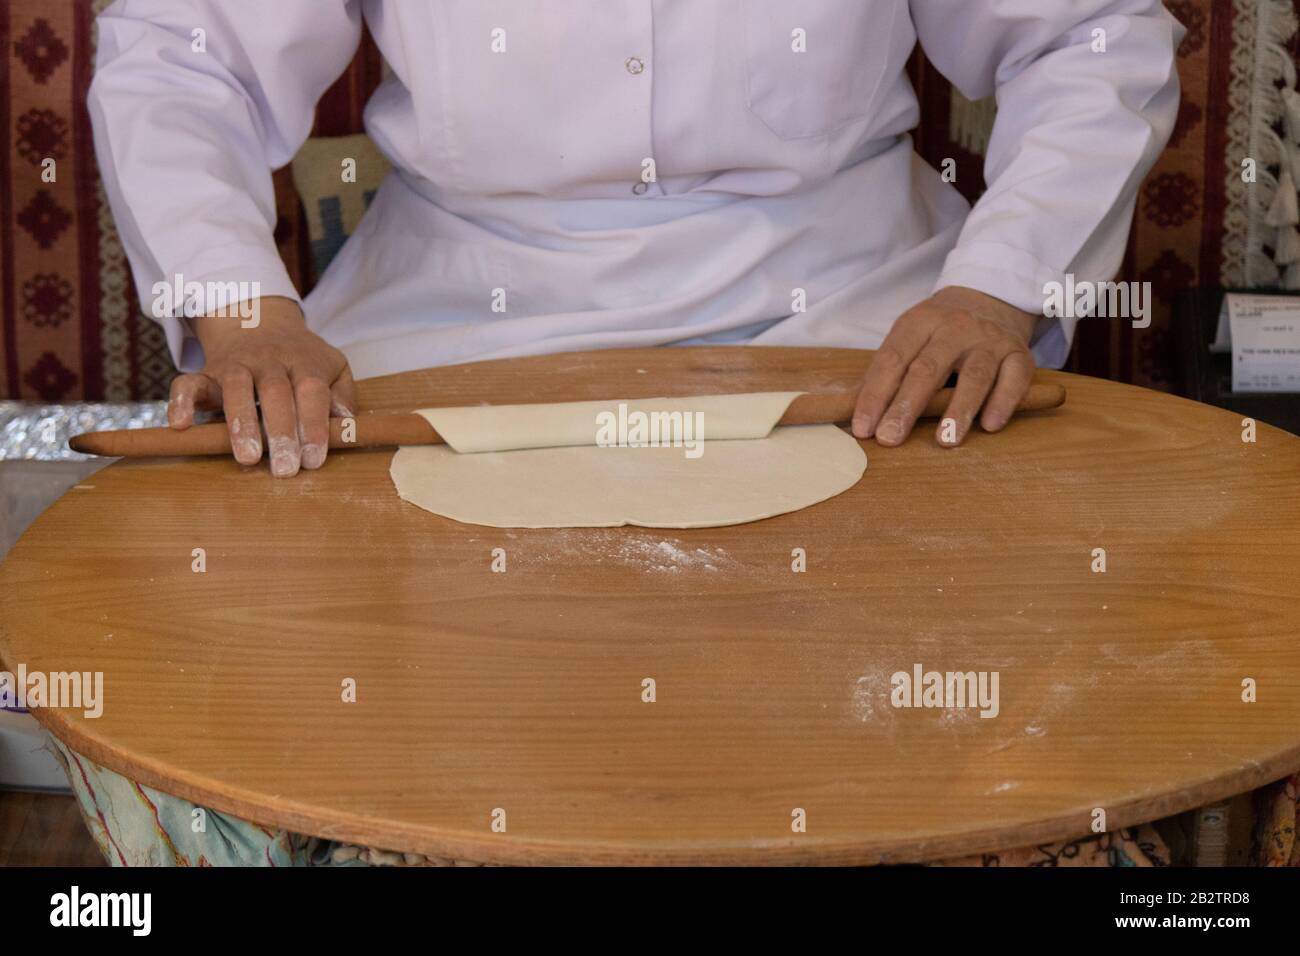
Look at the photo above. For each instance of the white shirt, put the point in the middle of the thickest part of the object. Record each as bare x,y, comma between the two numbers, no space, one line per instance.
518,219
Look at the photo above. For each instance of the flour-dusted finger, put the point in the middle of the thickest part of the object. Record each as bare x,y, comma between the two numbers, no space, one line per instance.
189,392
241,414
1014,378
975,378
312,401
924,377
903,343
343,399
275,393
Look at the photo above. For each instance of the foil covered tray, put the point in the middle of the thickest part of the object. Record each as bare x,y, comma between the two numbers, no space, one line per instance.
30,431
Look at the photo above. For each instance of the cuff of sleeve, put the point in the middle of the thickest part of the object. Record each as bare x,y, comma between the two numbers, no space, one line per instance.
1017,278
173,300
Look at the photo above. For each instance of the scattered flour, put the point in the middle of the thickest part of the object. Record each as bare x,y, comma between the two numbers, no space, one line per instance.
871,697
673,558
648,553
951,716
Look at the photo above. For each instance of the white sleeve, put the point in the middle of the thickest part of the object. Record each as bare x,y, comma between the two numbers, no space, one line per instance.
193,103
1078,127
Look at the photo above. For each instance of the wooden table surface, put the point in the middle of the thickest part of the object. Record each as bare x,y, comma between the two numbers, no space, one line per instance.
522,691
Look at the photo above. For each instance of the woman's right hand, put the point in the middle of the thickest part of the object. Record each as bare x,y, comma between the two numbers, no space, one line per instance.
297,376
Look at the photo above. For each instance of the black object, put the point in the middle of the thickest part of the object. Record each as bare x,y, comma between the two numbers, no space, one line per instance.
1207,376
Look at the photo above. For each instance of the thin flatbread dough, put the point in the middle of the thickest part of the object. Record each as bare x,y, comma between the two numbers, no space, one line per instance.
589,487
556,483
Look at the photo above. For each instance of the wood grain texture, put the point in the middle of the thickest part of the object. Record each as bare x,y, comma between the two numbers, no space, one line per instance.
522,690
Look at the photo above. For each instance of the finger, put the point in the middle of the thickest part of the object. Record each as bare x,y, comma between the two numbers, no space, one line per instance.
1014,378
979,370
189,392
311,397
924,377
901,346
280,418
241,415
343,395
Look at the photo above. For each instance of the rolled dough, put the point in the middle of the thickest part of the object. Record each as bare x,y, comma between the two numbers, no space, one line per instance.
478,428
553,476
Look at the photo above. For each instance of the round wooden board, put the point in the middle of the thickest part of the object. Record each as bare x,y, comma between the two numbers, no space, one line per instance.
523,690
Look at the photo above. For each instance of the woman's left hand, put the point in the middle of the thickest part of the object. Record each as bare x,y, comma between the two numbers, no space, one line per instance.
983,339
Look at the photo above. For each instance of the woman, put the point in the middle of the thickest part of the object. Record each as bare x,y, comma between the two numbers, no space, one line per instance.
602,173
593,174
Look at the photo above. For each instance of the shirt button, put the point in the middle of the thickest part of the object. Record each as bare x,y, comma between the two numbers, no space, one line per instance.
635,65
640,189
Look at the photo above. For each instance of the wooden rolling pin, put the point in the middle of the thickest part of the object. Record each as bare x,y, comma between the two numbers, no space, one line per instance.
381,430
